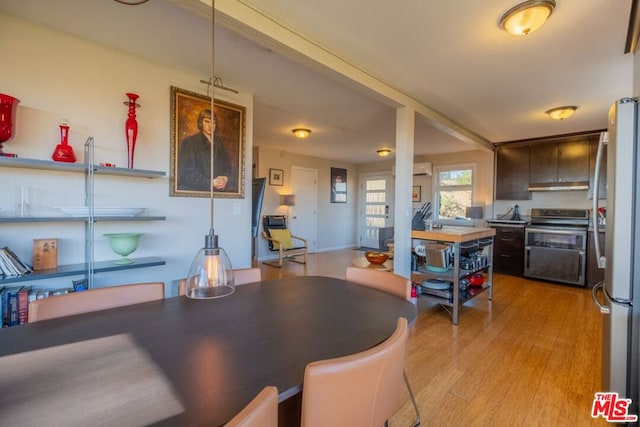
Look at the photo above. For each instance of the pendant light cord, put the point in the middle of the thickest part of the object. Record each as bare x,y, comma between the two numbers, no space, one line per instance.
213,62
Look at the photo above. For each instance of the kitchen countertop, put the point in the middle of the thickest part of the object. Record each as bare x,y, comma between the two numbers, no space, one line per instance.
454,234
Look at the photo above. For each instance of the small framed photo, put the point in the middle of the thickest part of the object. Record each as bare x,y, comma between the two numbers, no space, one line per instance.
416,193
276,177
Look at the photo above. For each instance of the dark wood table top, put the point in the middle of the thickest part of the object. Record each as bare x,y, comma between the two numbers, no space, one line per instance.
186,362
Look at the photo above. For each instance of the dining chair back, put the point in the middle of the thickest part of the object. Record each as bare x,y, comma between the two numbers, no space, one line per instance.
241,276
94,300
393,284
358,390
382,280
262,411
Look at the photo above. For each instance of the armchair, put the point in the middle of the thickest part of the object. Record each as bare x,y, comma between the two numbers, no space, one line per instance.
280,239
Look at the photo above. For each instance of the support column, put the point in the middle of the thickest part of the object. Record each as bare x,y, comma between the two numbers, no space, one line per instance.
405,128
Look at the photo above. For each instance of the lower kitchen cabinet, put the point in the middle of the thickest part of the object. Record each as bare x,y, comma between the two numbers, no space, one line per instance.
508,250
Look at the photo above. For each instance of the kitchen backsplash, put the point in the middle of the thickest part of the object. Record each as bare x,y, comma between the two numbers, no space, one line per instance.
555,199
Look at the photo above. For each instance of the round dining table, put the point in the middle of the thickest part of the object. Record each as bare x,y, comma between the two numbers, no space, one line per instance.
187,362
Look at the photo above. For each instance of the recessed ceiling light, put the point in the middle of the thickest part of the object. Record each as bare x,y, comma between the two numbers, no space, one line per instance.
527,17
561,113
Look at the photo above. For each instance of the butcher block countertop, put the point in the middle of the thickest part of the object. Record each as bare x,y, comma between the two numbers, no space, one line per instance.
454,234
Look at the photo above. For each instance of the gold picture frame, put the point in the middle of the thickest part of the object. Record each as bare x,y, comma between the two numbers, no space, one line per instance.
191,126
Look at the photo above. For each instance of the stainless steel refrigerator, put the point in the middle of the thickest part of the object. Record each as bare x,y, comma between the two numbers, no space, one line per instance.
618,296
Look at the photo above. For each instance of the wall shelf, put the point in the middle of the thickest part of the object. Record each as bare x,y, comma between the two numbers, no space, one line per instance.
16,162
81,269
79,219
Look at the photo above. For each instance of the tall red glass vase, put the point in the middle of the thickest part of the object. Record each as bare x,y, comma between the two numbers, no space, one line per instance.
8,108
131,128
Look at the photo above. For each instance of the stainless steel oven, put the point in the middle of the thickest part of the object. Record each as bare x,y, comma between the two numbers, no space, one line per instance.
556,245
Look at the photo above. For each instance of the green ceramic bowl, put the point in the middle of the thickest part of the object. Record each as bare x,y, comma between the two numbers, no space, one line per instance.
123,244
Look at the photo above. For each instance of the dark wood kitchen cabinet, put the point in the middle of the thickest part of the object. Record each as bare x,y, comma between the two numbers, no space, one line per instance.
559,162
508,250
512,173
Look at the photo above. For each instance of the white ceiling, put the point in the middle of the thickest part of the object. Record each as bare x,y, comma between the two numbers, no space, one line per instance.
450,56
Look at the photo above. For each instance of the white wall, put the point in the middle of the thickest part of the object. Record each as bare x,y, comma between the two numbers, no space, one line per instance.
337,222
58,76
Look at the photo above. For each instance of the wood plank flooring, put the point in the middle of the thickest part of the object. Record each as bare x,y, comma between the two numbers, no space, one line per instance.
530,357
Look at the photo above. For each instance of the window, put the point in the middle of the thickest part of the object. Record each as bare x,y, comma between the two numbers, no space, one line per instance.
453,192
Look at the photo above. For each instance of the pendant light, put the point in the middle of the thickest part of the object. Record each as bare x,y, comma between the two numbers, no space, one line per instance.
211,274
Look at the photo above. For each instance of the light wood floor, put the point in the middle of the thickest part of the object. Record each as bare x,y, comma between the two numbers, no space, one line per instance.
530,357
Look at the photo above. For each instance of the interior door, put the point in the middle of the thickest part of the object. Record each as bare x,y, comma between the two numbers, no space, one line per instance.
303,217
376,201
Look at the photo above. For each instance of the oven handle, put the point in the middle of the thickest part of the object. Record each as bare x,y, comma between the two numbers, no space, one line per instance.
602,261
594,294
557,231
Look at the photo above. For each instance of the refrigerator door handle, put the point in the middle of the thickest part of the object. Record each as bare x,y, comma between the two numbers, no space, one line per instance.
604,309
604,139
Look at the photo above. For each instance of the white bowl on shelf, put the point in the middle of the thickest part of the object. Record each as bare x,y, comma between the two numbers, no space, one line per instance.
81,211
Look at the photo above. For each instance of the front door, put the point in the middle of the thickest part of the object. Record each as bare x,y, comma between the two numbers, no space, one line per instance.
376,201
303,219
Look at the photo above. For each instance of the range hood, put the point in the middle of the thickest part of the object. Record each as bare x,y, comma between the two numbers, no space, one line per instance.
559,186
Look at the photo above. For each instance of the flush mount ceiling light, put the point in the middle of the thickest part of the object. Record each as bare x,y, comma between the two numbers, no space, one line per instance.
527,17
561,113
301,133
384,152
132,2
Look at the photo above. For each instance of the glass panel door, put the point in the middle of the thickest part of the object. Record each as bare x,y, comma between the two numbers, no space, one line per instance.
377,208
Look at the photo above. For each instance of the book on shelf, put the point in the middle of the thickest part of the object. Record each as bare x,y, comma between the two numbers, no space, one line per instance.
23,305
12,305
11,265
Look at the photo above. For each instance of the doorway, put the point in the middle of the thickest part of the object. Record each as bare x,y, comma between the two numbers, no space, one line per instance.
303,217
376,207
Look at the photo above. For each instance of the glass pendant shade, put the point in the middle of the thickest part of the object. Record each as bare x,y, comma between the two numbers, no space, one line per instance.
211,274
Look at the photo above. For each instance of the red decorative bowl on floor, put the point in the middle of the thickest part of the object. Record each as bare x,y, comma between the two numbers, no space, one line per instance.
376,257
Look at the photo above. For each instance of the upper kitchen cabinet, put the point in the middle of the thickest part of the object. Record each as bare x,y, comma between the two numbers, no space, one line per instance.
559,164
602,181
512,173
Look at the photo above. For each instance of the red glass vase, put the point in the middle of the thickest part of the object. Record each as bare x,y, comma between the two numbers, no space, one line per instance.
63,151
131,128
8,109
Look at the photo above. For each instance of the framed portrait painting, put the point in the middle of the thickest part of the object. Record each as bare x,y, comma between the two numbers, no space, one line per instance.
193,128
338,185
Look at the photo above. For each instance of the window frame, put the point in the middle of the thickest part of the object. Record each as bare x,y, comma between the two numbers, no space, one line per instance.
437,188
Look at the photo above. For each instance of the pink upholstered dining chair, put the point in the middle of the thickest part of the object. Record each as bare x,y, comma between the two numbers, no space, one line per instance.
393,284
262,411
94,300
360,389
241,276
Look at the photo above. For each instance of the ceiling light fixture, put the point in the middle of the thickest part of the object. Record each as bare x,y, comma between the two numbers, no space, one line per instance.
561,113
132,2
383,152
301,133
527,17
210,274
